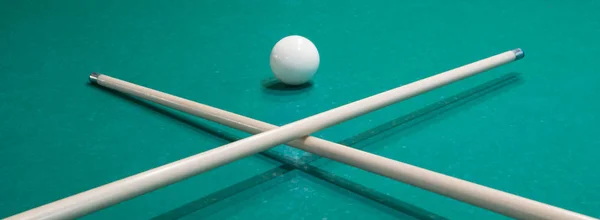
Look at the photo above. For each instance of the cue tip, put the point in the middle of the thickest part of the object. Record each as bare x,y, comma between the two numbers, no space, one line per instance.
94,78
519,53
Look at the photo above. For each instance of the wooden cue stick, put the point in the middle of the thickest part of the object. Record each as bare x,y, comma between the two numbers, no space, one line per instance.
478,195
118,191
472,193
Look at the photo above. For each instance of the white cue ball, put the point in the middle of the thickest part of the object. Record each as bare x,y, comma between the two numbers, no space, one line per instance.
294,60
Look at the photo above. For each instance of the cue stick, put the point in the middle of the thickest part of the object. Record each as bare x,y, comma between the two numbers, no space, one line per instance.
95,199
491,199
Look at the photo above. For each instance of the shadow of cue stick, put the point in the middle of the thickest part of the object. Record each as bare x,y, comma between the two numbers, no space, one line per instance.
302,164
429,112
288,164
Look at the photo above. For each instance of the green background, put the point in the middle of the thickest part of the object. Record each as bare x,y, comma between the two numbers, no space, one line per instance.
528,128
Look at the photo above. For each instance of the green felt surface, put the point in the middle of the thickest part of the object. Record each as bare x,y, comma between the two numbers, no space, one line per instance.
529,128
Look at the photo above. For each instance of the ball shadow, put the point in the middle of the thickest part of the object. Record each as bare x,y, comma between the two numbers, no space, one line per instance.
272,84
275,90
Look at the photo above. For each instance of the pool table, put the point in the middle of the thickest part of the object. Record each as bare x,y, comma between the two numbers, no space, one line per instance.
528,128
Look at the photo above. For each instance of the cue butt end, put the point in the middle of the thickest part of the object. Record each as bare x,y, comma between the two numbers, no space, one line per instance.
519,54
94,78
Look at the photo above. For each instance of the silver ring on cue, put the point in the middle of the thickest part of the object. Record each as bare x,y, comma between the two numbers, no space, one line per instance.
519,54
94,78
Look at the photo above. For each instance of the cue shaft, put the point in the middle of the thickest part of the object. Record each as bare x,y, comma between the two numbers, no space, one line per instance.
494,200
101,197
